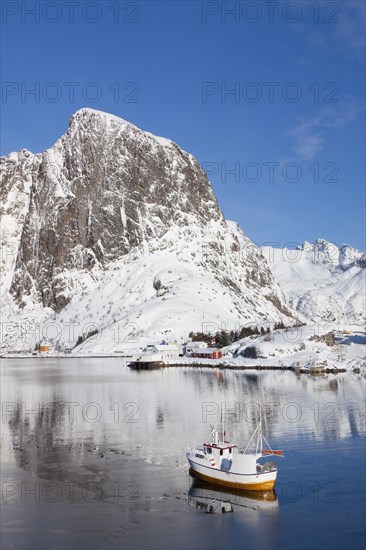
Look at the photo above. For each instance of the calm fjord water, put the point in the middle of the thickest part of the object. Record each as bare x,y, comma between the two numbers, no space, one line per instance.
93,456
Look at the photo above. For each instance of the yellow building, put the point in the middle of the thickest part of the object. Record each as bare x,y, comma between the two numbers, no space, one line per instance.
43,348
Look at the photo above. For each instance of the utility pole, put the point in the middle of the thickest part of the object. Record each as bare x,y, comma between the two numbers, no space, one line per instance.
340,353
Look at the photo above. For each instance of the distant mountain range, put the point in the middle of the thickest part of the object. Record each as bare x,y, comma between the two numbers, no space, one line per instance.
322,282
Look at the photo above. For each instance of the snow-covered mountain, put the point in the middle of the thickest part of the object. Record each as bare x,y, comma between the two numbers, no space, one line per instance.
118,231
322,281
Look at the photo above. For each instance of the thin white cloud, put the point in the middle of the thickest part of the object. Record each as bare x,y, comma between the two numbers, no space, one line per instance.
308,142
351,26
336,25
309,135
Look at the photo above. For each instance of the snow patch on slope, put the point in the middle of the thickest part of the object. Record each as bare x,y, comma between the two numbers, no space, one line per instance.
321,281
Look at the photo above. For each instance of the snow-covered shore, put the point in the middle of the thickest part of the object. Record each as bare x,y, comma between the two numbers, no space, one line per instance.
307,347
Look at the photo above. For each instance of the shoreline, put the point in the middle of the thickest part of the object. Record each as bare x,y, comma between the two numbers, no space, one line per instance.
250,367
213,364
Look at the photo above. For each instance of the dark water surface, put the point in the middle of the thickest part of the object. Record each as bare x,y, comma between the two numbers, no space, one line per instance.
93,457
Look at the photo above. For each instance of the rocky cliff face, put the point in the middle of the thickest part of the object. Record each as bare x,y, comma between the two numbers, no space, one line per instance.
107,190
103,188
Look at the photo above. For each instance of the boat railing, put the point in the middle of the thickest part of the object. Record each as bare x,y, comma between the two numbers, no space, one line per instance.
196,452
199,455
267,467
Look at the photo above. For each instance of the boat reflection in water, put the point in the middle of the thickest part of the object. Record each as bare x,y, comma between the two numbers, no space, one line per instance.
209,498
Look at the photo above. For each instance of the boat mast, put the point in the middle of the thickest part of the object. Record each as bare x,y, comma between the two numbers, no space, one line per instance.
260,431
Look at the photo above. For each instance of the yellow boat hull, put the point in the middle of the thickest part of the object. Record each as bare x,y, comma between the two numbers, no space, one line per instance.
260,486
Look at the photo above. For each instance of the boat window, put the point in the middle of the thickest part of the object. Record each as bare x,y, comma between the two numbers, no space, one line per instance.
230,450
209,450
221,452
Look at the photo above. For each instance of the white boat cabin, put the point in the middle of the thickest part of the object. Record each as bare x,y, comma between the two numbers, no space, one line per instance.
219,454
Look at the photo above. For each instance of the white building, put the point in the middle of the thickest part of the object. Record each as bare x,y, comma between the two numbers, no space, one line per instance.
190,347
162,351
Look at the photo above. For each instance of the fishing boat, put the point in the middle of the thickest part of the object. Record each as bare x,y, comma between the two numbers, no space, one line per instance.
220,462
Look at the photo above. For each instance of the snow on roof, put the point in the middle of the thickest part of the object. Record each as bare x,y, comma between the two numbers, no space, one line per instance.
196,345
205,350
165,347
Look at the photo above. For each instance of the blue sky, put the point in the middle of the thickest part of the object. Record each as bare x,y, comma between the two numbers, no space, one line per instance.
285,150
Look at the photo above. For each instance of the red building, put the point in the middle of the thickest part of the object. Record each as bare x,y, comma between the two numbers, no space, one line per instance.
207,353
